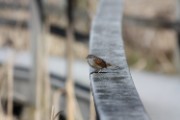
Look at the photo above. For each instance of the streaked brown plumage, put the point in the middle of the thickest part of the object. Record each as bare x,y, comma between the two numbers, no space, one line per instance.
97,63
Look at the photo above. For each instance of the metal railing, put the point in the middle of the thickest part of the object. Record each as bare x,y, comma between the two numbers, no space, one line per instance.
114,93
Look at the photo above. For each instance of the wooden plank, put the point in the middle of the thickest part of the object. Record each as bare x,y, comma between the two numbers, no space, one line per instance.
114,92
70,105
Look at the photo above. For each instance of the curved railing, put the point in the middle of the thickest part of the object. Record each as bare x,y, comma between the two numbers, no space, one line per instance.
114,93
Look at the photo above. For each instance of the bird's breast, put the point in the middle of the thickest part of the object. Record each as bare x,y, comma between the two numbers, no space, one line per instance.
93,64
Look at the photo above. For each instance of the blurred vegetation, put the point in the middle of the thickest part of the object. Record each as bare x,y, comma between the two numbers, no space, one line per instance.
146,48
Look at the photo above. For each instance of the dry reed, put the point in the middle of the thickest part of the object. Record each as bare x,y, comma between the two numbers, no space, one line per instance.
52,113
2,89
92,109
78,113
56,102
47,84
69,82
10,87
91,13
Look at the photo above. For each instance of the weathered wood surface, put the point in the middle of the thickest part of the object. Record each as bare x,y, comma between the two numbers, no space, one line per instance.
114,92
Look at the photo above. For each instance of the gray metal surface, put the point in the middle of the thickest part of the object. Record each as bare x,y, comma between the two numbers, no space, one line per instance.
114,92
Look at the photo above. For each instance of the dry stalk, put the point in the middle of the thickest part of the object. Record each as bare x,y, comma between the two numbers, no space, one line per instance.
2,116
2,89
39,82
47,84
92,109
91,13
56,102
91,8
69,81
2,84
52,113
36,39
70,101
78,113
10,87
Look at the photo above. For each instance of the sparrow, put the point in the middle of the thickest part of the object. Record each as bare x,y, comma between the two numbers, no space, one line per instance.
97,63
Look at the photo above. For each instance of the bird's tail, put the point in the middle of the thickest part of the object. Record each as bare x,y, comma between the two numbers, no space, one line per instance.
108,64
112,67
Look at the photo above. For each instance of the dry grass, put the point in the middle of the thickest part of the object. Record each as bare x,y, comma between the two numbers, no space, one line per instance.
150,48
92,108
158,44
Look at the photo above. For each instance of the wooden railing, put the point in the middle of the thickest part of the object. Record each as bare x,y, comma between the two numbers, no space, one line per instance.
114,93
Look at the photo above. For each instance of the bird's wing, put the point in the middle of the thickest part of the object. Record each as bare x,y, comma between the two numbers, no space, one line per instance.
100,62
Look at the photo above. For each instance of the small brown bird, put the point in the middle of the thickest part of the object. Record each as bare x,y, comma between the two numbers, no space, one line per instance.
97,63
